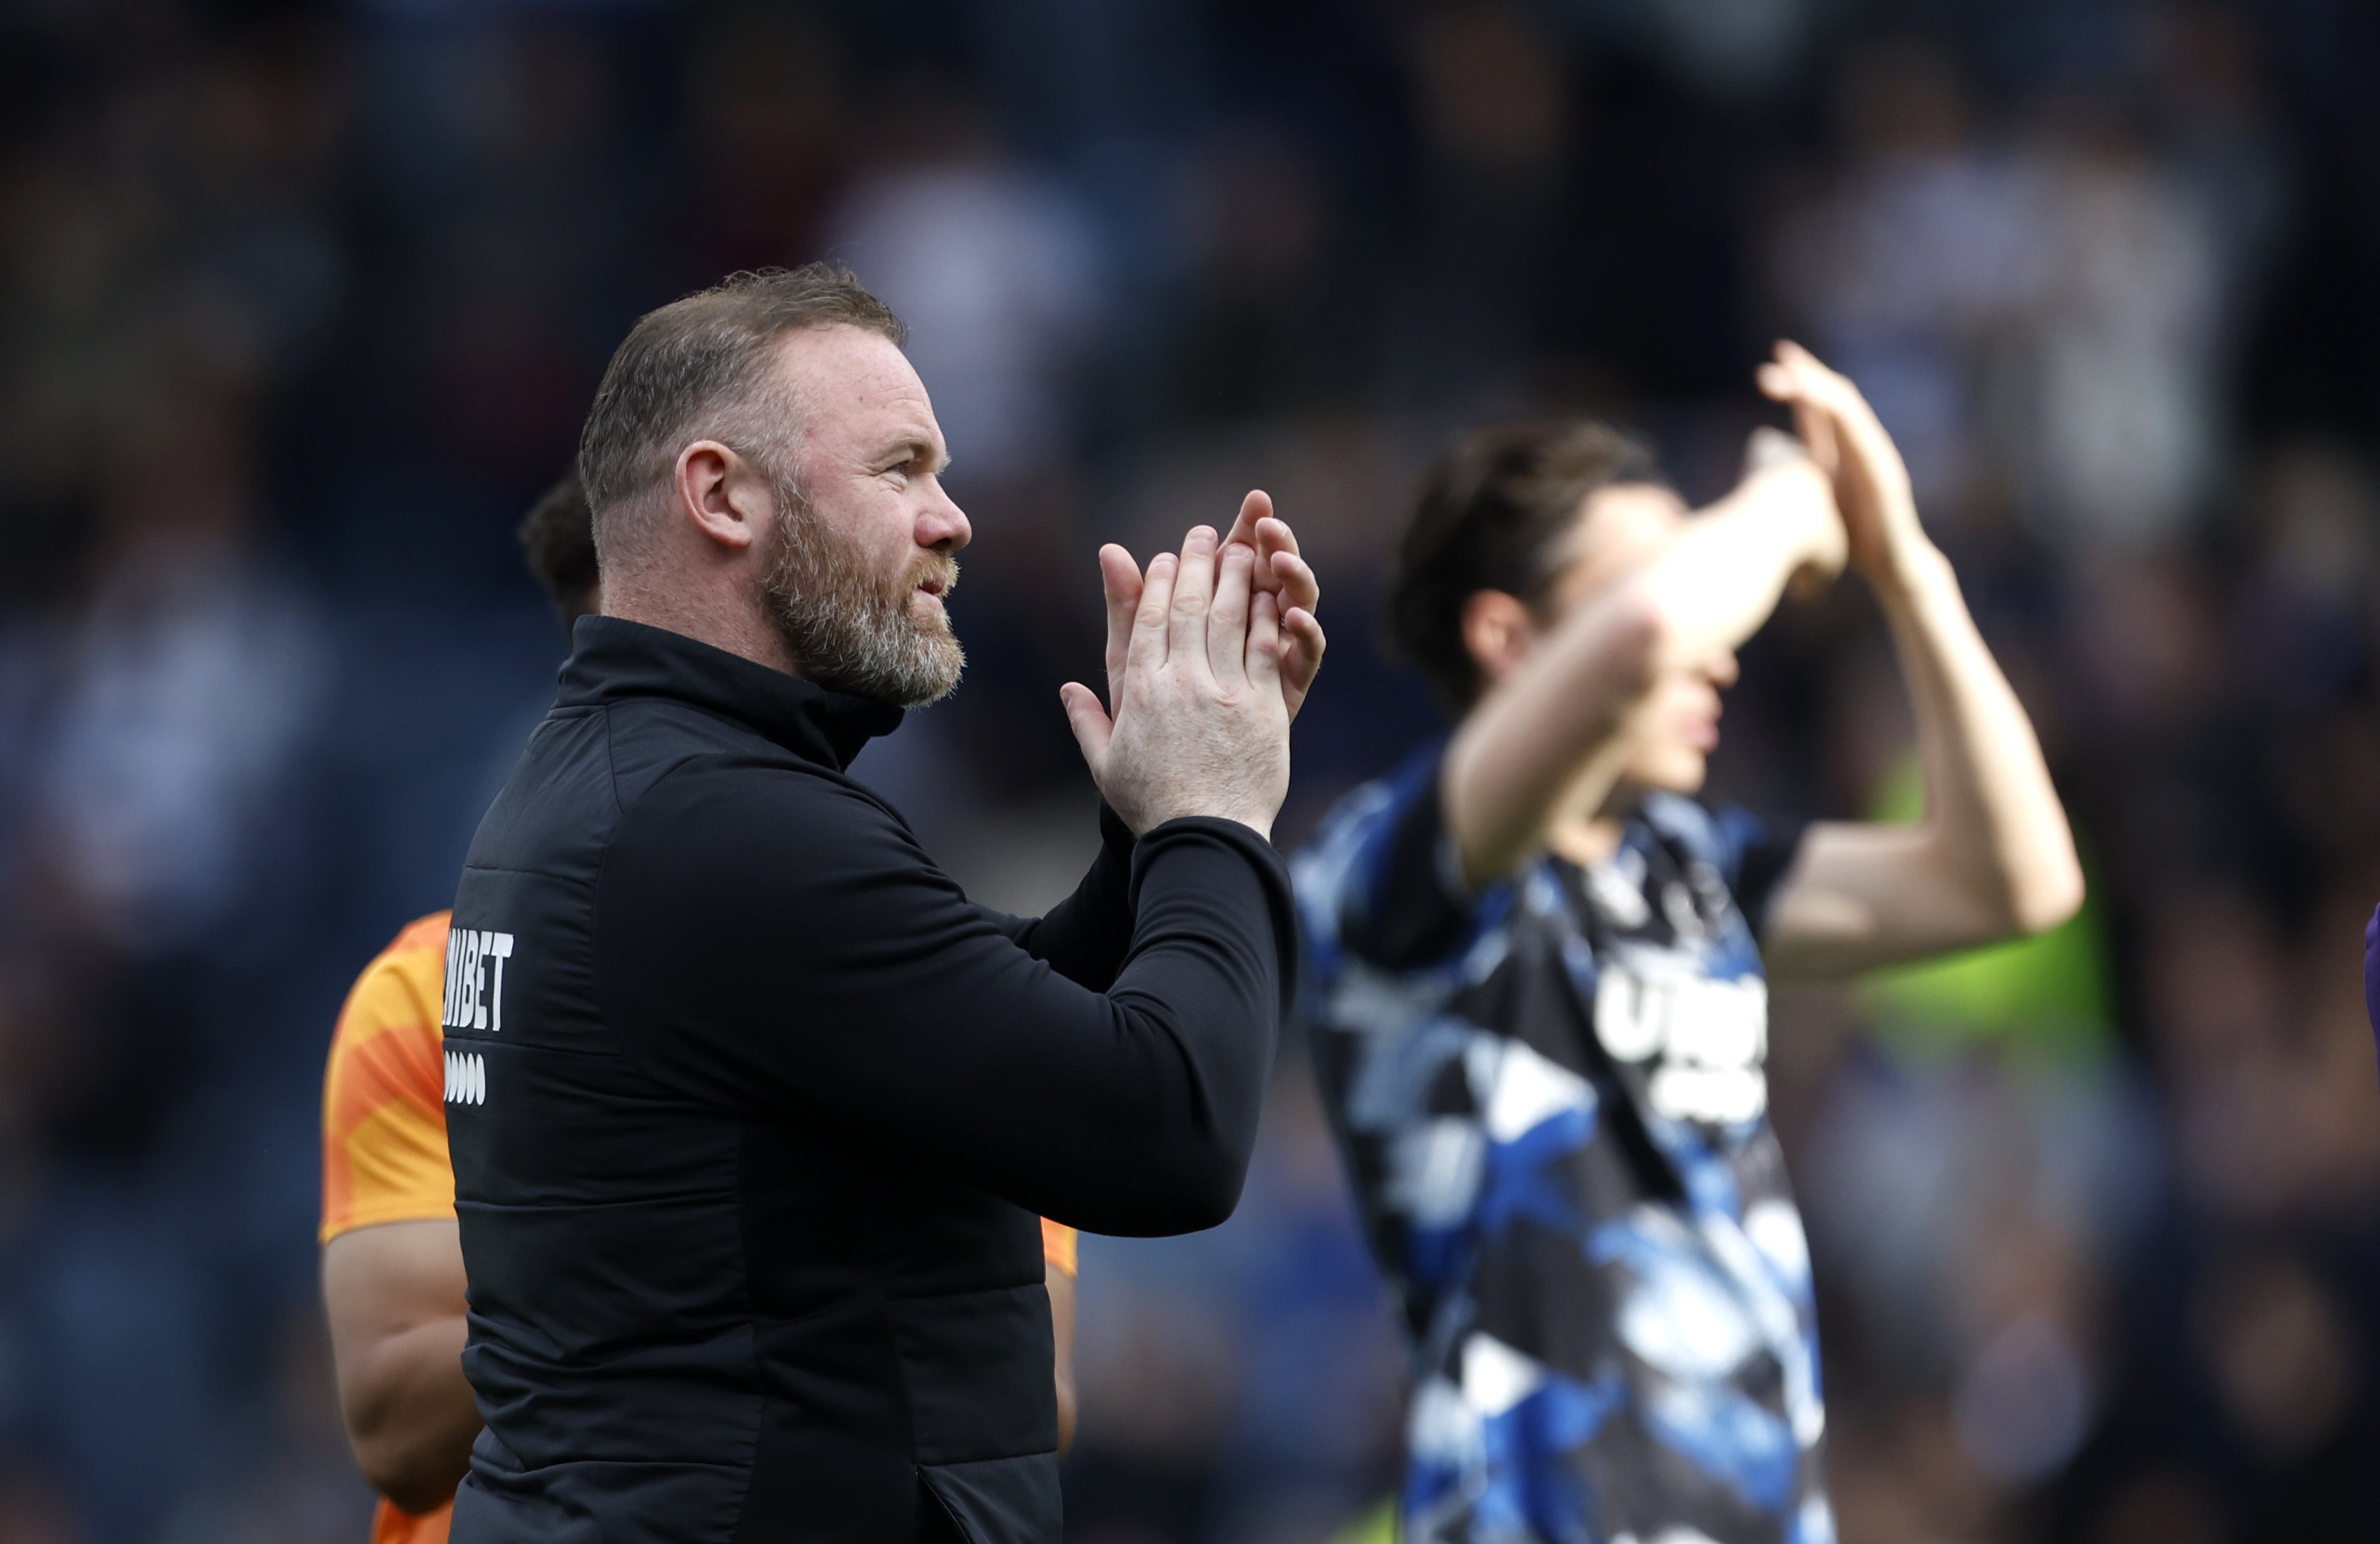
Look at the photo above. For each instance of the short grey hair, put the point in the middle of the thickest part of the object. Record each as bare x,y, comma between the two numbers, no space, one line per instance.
697,367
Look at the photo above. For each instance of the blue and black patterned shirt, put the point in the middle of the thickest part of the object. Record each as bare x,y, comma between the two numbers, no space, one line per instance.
1552,1099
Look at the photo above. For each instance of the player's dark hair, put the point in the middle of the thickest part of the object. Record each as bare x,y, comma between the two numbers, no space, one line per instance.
557,536
1490,513
683,372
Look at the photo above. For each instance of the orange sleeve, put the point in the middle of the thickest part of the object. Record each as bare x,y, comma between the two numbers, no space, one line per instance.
391,1526
384,1093
1058,1245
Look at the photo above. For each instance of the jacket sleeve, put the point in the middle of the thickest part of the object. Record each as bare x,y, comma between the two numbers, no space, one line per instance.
777,946
1084,937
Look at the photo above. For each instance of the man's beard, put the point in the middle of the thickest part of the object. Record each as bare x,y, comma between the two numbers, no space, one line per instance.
850,631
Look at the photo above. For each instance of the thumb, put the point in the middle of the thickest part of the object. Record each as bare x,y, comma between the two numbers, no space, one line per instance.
1090,724
1120,579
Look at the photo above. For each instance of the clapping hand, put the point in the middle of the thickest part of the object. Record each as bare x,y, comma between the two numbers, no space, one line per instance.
1282,572
1279,571
1196,684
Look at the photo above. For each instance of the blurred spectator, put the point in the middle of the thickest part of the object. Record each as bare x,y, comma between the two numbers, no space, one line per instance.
1924,244
183,691
992,268
1259,330
2122,441
1745,48
1492,105
765,139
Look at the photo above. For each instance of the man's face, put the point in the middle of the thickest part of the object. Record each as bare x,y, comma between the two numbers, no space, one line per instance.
865,532
1619,529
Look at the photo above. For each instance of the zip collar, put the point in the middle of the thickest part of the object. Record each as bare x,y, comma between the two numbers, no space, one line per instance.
613,659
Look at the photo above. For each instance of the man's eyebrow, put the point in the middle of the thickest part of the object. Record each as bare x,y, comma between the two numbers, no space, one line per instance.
919,448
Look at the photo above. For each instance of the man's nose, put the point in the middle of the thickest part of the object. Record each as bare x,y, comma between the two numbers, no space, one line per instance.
942,525
1724,669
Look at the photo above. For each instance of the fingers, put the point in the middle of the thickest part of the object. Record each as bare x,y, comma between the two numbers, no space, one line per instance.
1147,649
1797,376
1282,572
1227,619
1091,724
1817,431
1264,644
1301,660
1851,428
1794,375
1193,594
1280,567
1119,580
1294,582
1825,405
1794,356
1255,509
1271,537
1199,605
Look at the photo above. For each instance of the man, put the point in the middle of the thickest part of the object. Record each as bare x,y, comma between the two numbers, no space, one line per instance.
393,1281
750,1108
1536,969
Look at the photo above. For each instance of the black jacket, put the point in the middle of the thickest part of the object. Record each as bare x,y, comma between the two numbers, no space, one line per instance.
751,1112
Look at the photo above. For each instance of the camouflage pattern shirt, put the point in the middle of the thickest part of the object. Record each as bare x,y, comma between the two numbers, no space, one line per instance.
1551,1098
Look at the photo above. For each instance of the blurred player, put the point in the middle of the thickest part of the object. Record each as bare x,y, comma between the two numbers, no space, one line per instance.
391,1264
1540,1017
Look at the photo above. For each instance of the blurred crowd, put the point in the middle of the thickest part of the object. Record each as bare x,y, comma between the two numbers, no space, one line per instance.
301,306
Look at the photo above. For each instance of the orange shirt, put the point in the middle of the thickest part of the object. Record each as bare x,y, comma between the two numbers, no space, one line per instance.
384,1124
384,1129
1058,1243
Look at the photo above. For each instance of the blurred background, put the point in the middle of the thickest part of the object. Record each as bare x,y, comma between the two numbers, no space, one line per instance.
301,306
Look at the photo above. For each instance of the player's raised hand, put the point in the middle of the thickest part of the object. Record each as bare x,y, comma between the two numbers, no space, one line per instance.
1282,573
1850,446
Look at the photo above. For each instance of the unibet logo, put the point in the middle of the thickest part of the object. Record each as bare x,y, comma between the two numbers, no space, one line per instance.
473,1000
467,1078
1705,1042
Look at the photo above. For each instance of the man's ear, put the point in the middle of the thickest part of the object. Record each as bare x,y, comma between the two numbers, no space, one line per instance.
722,495
1498,631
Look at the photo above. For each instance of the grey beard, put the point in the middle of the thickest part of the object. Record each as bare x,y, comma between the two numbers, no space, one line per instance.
848,632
